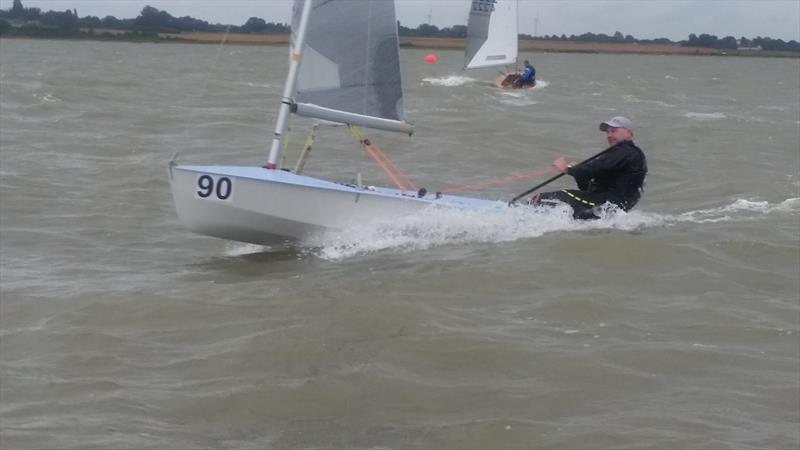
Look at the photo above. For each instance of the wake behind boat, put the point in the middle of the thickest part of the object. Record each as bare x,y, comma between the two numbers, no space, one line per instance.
344,68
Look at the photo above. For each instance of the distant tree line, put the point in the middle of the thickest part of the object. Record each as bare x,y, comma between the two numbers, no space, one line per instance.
704,40
19,20
730,42
591,37
426,30
32,21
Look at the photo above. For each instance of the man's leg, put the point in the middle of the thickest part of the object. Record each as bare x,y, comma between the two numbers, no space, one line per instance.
581,207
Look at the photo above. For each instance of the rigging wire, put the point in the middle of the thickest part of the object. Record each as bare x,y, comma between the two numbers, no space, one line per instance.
204,92
366,70
204,88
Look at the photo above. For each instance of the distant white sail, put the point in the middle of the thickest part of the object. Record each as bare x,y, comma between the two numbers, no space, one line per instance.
491,34
350,68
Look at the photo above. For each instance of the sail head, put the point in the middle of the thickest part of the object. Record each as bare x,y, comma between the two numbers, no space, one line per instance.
350,66
492,36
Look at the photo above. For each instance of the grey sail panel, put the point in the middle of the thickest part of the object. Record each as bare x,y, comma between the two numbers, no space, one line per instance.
351,61
477,31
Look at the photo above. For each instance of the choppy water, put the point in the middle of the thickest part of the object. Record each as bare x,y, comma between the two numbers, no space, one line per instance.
674,326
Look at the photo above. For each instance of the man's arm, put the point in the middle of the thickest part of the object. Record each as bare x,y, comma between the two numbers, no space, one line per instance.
608,162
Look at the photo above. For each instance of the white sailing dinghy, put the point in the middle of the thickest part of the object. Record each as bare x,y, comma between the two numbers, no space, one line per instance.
492,37
344,68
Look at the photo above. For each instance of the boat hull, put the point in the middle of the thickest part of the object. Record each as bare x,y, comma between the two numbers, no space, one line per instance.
507,82
267,206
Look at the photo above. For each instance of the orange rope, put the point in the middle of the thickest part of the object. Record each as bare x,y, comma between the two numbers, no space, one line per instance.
401,180
505,180
389,167
384,166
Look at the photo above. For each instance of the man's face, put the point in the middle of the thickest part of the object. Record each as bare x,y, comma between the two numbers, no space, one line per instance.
616,135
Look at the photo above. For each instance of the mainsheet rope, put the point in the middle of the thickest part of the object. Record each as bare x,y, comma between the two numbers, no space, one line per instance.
404,183
498,181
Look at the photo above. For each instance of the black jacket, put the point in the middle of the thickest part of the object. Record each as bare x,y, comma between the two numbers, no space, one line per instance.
617,176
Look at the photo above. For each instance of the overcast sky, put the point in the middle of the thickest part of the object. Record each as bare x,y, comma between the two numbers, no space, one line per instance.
644,19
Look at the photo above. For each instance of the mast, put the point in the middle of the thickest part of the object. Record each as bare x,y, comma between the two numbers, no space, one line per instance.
291,80
516,34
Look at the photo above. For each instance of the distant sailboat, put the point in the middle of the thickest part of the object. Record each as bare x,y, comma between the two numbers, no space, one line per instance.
344,68
492,37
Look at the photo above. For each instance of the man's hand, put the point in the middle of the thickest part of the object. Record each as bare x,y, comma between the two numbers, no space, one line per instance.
561,165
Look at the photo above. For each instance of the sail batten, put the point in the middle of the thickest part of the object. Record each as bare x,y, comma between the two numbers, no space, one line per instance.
351,65
492,36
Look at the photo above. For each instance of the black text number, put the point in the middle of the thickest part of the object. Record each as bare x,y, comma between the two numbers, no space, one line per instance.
220,188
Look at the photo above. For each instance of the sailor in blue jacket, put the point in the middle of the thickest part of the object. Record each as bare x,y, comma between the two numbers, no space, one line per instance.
616,177
528,76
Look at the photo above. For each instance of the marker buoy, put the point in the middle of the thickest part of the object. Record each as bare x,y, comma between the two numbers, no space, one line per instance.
430,58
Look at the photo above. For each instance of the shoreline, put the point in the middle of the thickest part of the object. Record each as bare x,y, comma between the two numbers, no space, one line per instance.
525,45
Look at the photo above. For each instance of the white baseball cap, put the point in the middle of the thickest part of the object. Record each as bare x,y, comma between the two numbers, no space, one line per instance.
617,122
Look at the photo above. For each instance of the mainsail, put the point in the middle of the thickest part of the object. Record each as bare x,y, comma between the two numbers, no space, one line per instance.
347,51
491,34
350,66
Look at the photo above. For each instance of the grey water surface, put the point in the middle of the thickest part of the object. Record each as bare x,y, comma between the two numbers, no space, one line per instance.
674,326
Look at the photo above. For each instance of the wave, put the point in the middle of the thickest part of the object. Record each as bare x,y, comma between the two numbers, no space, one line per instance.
47,97
739,209
629,98
705,116
436,227
540,84
451,80
443,226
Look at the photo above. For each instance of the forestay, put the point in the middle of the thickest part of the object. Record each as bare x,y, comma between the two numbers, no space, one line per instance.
350,67
491,34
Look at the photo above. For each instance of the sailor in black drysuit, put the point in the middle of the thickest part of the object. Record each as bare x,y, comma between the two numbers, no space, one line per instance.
616,177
